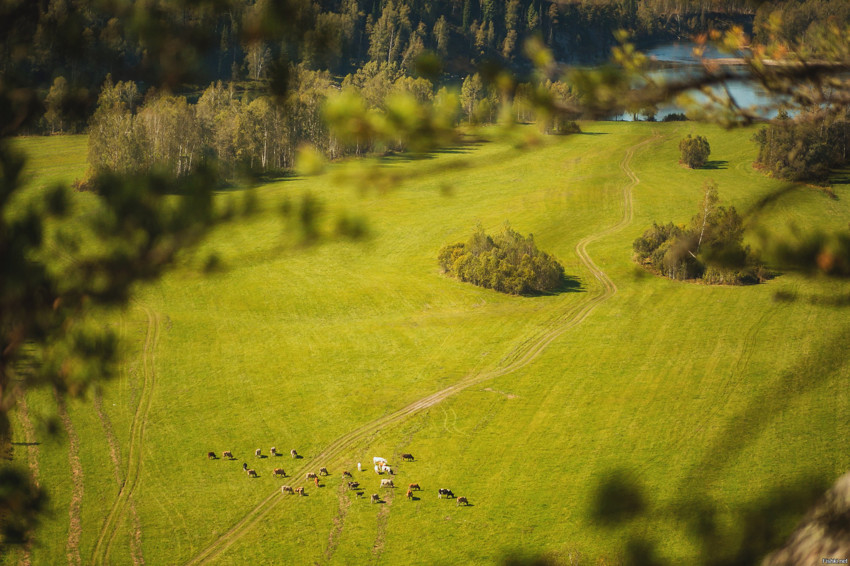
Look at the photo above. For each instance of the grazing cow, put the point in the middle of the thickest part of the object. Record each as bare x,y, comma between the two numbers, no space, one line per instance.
258,452
323,471
407,457
463,500
447,492
388,470
293,453
227,454
414,486
279,472
210,455
287,489
387,483
346,474
409,494
375,498
299,490
252,473
311,475
353,485
316,479
273,451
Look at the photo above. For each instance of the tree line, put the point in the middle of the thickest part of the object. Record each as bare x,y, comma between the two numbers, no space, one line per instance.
167,132
378,108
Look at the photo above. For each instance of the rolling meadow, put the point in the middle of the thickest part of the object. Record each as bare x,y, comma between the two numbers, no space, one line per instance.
627,417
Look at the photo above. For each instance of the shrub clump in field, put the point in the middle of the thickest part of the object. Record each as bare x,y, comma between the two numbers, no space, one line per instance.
508,263
710,248
695,151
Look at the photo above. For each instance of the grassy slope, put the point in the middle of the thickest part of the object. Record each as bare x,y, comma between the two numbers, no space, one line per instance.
706,396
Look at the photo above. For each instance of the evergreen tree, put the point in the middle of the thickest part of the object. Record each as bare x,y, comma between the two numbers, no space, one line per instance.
55,103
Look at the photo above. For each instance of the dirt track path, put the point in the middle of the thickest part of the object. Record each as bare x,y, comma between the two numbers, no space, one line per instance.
520,357
75,528
32,461
122,503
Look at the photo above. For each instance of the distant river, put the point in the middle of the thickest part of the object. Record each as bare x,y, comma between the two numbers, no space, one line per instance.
677,61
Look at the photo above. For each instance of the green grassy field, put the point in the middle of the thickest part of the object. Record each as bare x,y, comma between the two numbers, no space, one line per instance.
715,411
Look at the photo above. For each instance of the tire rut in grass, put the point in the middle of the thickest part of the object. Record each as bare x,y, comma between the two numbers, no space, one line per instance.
381,535
519,358
123,501
115,456
75,528
339,523
32,461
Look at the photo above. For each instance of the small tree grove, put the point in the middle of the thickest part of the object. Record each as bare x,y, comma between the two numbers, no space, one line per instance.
508,263
695,151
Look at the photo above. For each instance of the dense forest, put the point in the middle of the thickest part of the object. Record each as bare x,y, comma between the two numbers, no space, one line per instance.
75,44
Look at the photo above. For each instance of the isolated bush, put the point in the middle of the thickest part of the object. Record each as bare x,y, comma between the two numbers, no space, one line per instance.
695,151
508,263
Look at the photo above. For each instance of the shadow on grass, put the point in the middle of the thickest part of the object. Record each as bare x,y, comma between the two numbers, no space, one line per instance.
569,284
840,177
839,300
740,532
461,148
713,165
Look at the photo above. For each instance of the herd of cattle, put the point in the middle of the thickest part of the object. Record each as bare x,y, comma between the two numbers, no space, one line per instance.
380,467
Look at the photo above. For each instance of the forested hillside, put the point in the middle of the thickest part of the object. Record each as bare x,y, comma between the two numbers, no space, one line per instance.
75,44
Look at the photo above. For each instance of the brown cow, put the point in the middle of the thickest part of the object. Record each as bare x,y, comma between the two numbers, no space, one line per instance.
375,498
293,453
210,455
287,489
346,474
414,486
407,457
409,494
316,479
279,472
323,471
299,490
463,500
227,454
311,475
252,473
